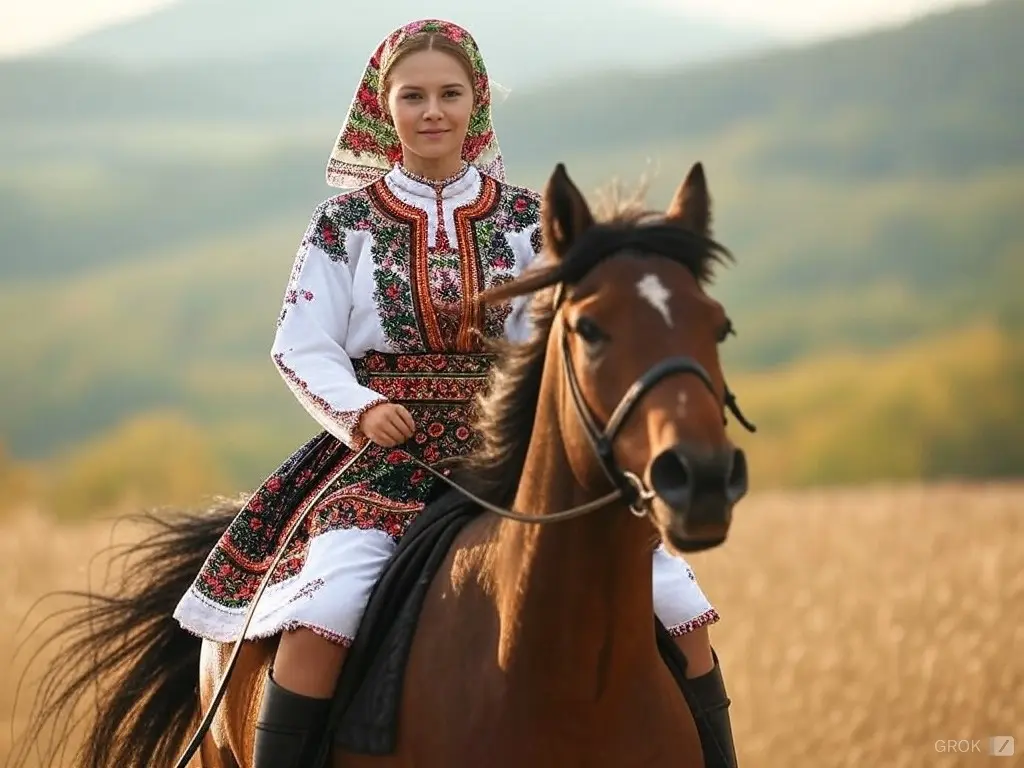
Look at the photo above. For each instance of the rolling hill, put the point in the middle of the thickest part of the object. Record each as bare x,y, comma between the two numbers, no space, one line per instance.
284,42
869,187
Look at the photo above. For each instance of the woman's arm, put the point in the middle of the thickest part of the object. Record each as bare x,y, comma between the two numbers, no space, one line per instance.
308,348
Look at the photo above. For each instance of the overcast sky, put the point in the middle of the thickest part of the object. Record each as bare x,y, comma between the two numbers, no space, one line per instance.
29,24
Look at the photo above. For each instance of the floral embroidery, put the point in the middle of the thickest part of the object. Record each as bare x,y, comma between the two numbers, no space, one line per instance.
326,231
307,590
537,240
331,220
374,366
710,616
303,392
517,209
437,183
394,239
446,295
383,491
326,235
427,388
324,632
367,145
434,378
233,571
428,300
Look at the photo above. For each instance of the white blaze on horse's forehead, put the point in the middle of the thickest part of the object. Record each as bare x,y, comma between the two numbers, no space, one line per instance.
654,292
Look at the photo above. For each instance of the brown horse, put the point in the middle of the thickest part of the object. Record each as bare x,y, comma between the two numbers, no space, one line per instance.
535,645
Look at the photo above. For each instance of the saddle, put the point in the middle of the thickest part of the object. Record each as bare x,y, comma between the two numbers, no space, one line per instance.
368,698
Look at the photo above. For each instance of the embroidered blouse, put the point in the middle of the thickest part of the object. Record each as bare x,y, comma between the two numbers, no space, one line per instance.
395,267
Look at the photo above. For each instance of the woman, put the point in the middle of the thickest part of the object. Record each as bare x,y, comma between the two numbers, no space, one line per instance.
381,340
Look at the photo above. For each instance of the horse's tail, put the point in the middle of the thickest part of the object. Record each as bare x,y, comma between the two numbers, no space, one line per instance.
129,652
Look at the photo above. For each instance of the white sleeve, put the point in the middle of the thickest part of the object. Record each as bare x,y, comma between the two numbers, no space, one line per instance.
308,348
527,247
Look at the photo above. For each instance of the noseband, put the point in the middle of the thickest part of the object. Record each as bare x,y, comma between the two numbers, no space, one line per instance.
630,487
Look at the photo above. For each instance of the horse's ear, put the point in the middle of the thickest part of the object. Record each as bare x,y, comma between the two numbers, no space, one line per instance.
691,205
565,214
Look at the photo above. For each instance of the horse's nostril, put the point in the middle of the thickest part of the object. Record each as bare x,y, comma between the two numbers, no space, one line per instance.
672,478
737,483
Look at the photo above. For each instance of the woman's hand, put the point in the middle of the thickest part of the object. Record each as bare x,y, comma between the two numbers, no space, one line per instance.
387,424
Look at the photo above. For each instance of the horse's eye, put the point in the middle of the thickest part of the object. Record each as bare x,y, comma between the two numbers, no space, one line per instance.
589,331
726,331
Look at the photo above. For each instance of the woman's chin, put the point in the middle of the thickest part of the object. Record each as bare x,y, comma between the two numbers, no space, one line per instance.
436,151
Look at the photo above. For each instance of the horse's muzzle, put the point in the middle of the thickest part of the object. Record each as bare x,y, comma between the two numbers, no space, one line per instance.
698,490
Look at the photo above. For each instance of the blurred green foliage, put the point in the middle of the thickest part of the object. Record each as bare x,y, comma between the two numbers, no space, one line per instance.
870,189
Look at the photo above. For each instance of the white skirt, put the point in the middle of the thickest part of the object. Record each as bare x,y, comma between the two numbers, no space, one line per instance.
330,593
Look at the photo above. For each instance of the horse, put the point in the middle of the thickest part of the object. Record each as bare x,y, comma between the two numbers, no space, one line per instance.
535,644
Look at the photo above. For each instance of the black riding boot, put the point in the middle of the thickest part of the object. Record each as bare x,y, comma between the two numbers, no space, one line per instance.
710,703
290,728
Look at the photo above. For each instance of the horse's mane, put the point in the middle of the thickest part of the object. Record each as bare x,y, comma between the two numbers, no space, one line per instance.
506,411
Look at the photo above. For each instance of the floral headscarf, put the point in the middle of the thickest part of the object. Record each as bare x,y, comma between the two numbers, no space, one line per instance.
367,146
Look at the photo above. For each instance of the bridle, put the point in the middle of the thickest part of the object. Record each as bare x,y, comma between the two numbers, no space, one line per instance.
629,488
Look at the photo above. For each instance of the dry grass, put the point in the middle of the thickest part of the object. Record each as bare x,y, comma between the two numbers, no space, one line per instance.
859,627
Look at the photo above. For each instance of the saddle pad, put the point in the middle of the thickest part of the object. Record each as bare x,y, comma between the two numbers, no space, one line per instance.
365,710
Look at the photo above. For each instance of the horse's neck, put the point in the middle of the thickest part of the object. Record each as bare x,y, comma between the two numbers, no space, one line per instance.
575,598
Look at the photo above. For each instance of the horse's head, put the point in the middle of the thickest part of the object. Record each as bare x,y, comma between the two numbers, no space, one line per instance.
636,337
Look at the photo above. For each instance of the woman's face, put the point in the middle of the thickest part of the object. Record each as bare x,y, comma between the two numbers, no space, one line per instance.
430,99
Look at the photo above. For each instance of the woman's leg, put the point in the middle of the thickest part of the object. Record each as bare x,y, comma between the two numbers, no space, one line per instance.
341,570
308,664
296,699
683,608
696,647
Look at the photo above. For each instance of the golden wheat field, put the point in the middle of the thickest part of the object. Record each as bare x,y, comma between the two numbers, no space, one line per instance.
860,627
